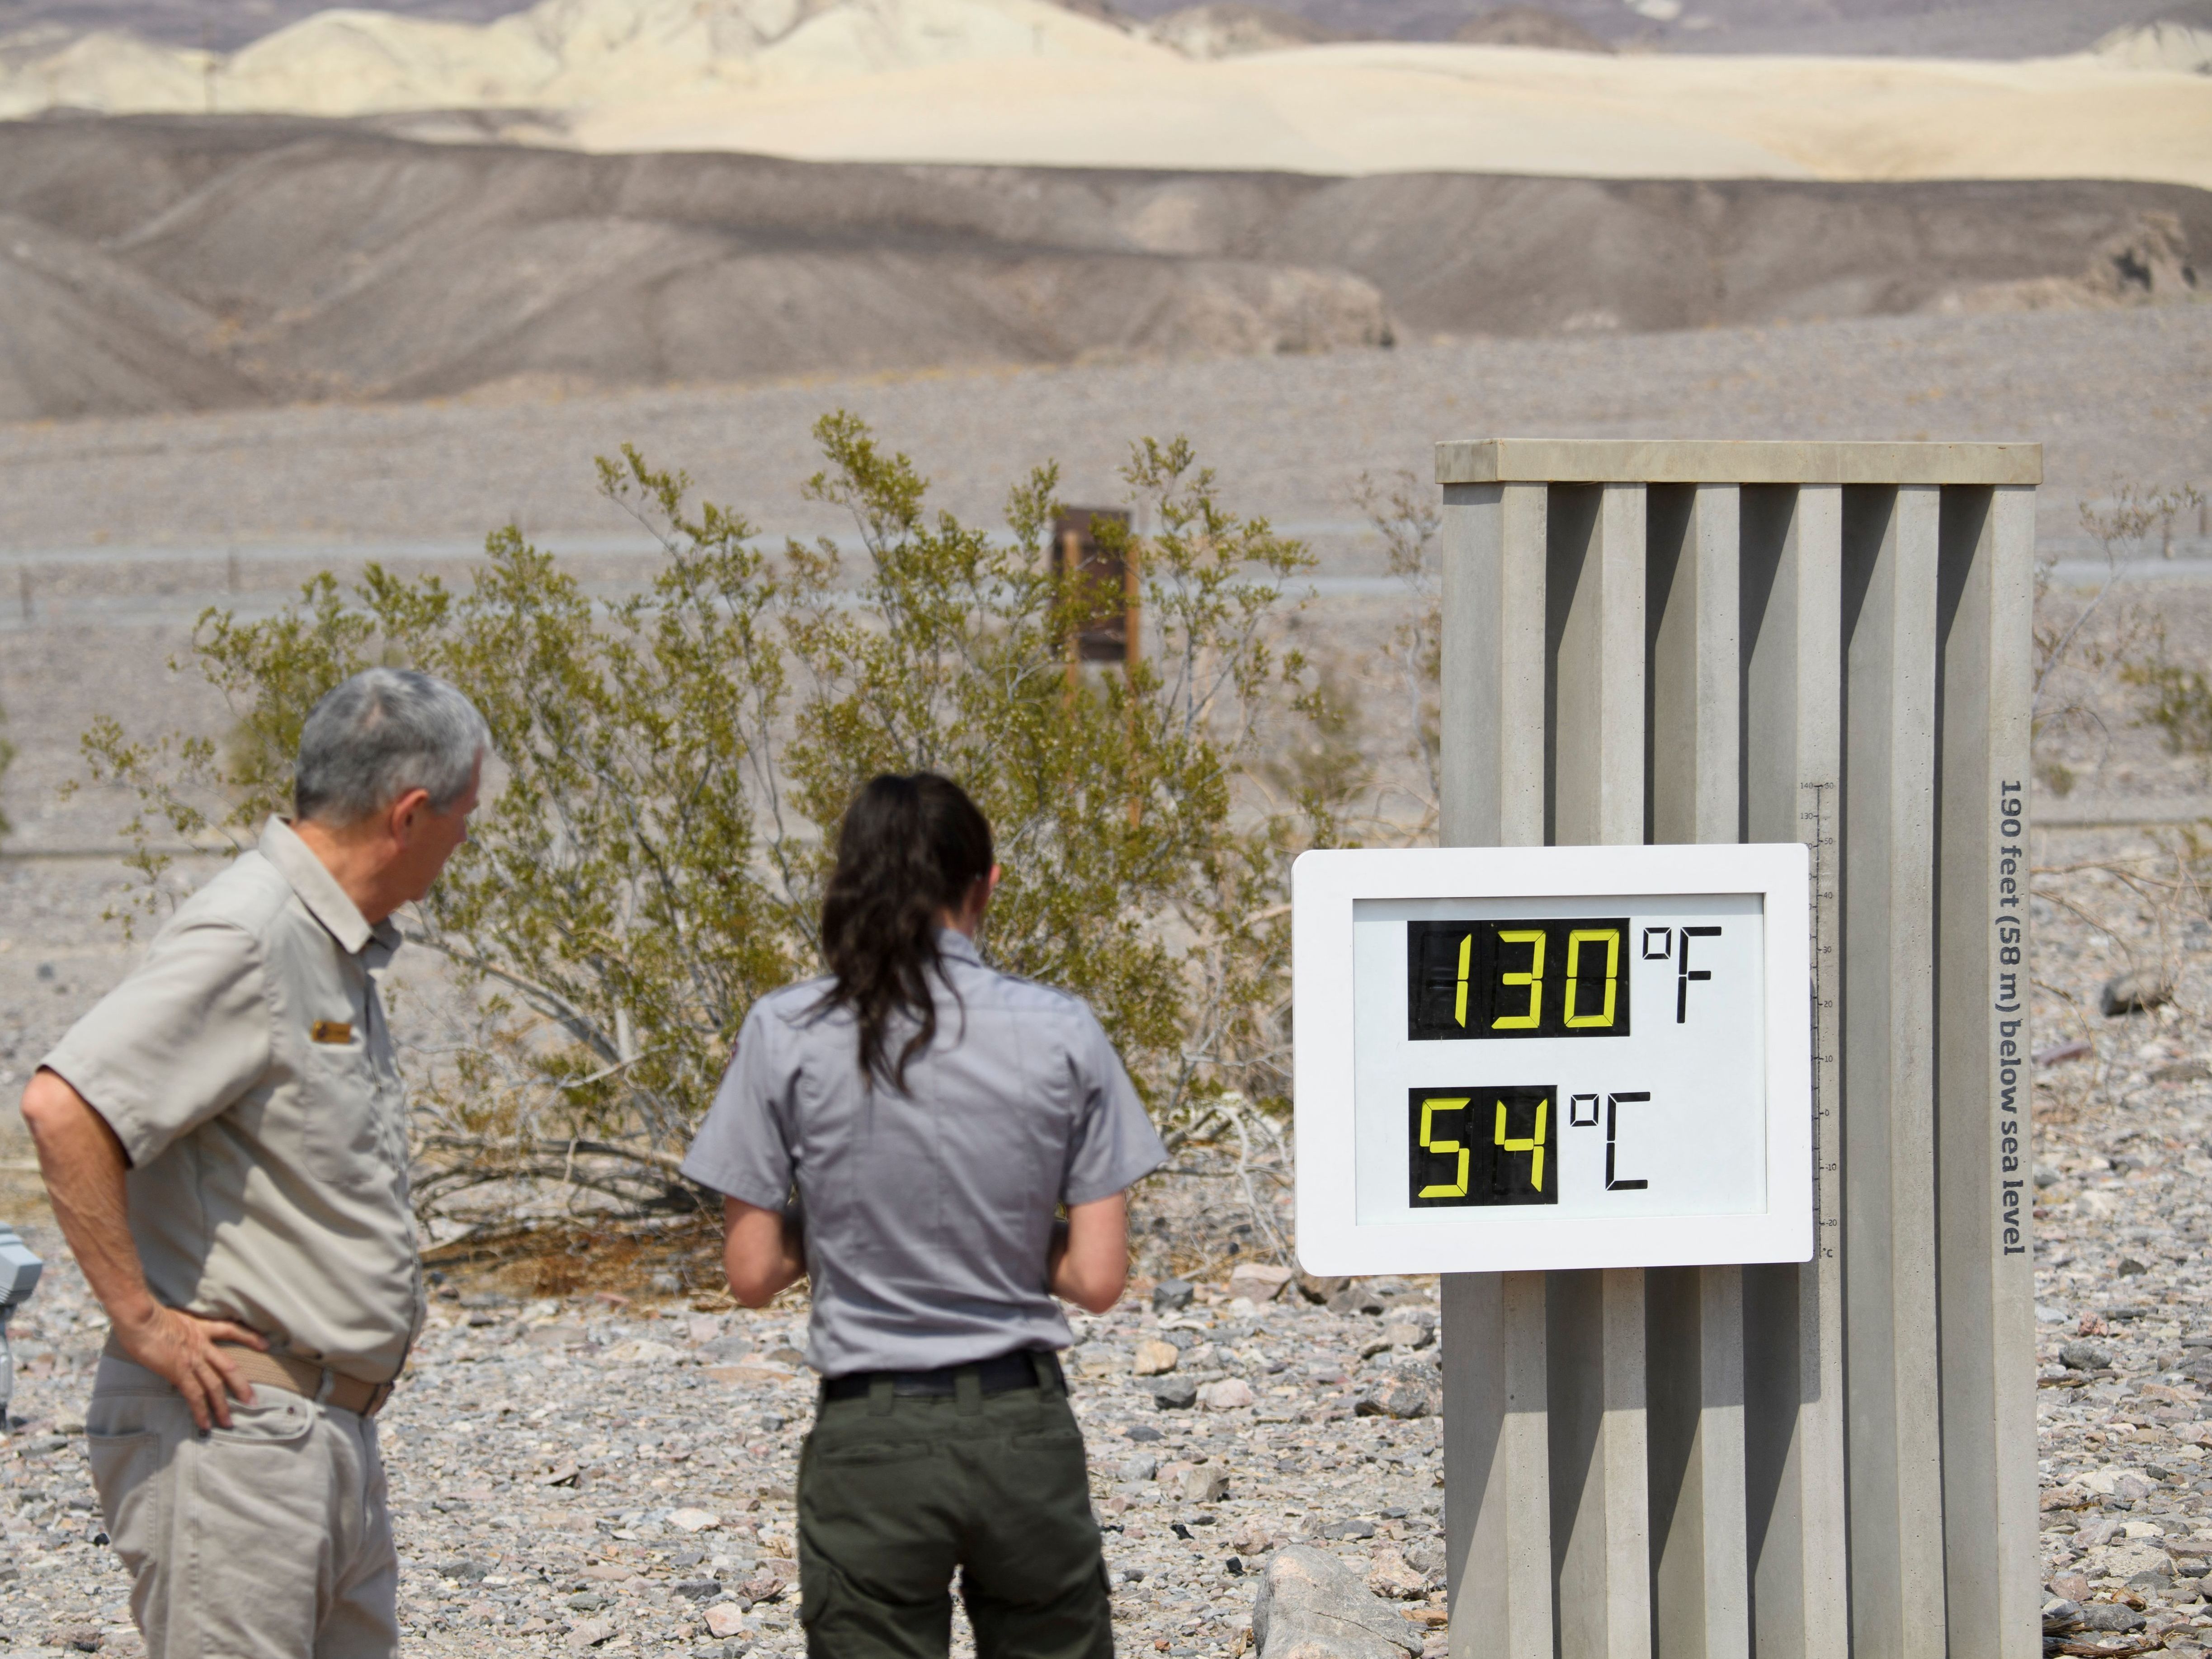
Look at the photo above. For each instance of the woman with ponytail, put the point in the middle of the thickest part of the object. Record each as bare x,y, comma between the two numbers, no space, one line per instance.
905,1133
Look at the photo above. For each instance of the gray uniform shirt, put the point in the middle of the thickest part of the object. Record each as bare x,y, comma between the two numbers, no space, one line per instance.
928,1213
247,1068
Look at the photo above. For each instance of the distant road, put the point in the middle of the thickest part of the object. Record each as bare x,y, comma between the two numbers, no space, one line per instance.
26,600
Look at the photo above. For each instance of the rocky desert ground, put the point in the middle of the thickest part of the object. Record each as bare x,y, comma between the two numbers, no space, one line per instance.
577,1470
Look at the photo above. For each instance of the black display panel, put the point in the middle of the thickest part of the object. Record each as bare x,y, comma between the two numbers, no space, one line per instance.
1520,978
1482,1145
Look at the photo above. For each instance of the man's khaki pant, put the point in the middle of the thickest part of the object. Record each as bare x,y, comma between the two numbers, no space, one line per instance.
268,1539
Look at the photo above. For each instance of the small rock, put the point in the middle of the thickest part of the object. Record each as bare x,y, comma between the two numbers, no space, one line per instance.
79,1638
1311,1603
1258,1281
770,1582
1409,1332
1401,1399
2059,1618
1229,1394
1194,1484
2181,1070
725,1618
2129,1268
2110,1616
644,1352
1172,1295
1156,1358
590,1634
1142,1467
1352,1529
586,1601
1391,1576
1175,1394
2085,1357
1353,1298
2070,1587
2047,1175
2135,992
699,1589
725,1350
690,1520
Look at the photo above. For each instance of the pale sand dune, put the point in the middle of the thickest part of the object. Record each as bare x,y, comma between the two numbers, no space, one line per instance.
1381,108
1028,82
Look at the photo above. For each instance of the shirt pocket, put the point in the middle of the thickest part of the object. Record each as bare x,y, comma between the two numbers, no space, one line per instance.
344,1141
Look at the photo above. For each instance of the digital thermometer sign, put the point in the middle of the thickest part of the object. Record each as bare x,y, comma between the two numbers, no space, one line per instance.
1552,1057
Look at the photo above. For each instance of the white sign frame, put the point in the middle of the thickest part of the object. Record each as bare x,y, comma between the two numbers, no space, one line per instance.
1325,885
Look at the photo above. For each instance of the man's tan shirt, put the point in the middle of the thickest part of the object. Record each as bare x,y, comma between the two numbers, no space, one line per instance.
247,1070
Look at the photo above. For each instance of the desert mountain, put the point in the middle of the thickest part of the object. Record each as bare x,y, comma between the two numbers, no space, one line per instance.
151,264
1027,82
1953,28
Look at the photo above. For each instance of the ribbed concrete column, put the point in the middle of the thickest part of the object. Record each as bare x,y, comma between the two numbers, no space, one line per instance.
1497,1431
1793,1313
1699,1588
1496,1466
1984,1199
1594,598
1895,1460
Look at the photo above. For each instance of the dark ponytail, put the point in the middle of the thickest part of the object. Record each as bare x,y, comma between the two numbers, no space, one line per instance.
910,848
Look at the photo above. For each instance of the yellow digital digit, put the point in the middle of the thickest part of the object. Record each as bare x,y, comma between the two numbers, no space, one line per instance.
1533,979
1459,1008
1532,1145
1430,1144
1576,940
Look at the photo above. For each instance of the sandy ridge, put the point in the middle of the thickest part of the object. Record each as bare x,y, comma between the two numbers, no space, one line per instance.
1025,82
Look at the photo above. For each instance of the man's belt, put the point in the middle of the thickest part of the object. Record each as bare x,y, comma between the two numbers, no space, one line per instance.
1003,1375
319,1383
278,1370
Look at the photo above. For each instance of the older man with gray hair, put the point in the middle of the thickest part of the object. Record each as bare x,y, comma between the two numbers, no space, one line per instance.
224,1139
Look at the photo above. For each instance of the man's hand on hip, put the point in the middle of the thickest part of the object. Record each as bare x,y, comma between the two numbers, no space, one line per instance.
83,1164
180,1348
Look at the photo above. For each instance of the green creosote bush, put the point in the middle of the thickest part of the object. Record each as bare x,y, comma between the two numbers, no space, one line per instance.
652,850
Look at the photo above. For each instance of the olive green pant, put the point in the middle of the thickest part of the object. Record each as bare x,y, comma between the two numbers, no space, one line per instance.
896,1492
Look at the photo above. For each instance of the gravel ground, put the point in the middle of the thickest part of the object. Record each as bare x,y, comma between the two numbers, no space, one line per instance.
543,1448
657,1411
571,1473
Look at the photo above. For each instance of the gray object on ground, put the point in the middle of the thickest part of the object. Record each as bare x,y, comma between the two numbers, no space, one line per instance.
1172,1295
2135,992
1175,1394
1312,1605
19,1277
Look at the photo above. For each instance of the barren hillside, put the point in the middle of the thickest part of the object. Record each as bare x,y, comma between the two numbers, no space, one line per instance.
159,263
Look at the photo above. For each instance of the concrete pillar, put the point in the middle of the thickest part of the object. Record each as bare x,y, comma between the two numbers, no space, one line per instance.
1984,1199
1497,1420
1593,604
1894,1452
1793,1313
1699,1588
